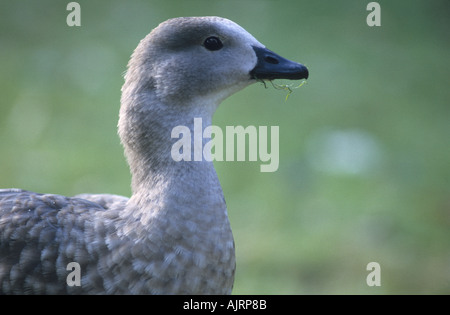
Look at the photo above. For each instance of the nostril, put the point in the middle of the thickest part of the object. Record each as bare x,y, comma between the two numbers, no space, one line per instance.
271,60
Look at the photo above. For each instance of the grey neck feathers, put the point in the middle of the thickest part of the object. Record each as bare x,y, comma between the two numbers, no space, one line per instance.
145,126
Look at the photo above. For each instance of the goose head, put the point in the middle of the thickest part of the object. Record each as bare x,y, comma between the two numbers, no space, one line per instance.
204,58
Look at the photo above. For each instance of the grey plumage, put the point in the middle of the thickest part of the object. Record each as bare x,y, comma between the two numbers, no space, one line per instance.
41,234
173,235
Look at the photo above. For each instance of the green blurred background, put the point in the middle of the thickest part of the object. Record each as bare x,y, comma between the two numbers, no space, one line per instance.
364,169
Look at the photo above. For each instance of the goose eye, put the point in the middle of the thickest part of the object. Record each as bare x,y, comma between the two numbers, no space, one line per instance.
213,43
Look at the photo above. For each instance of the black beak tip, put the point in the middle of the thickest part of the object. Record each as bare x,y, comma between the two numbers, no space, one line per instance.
299,72
305,73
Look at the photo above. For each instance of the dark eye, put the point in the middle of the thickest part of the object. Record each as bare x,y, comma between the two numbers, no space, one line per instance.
213,43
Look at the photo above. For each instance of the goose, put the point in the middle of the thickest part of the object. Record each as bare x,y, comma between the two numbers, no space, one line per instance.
172,236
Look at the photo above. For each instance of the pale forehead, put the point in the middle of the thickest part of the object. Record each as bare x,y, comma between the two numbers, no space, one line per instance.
233,29
188,28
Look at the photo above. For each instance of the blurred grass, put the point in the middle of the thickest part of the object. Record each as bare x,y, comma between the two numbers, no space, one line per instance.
364,145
